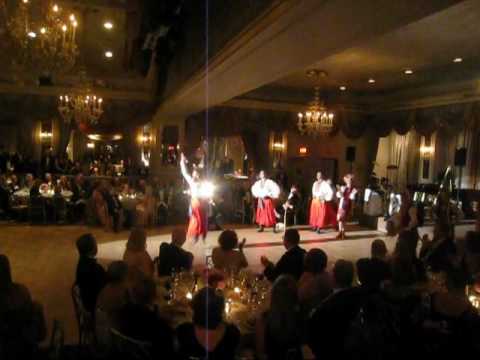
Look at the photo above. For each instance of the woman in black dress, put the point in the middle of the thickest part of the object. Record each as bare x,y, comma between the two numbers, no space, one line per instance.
208,337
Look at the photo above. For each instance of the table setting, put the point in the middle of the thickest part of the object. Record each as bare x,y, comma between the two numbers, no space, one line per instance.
246,296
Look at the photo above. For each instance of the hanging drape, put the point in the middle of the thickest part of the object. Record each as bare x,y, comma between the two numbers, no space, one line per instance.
399,157
62,132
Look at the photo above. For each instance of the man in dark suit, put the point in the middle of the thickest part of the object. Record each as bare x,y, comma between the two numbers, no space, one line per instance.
172,256
91,276
291,262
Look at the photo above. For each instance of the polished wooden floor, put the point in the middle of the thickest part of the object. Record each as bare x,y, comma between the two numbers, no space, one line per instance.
44,257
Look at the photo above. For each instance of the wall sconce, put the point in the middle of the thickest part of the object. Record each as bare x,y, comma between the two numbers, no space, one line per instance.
145,139
278,146
427,151
303,150
90,145
45,135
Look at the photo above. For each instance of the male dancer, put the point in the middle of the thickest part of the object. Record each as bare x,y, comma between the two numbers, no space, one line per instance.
346,194
265,190
197,225
322,211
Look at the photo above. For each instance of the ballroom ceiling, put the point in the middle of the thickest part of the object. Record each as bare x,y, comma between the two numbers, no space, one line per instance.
426,47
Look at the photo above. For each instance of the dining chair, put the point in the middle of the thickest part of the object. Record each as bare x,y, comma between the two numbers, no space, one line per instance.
85,322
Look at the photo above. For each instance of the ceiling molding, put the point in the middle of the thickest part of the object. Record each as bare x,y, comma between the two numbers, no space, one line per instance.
424,97
256,104
56,90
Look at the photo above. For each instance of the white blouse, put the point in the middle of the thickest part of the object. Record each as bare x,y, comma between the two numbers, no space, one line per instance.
322,190
266,188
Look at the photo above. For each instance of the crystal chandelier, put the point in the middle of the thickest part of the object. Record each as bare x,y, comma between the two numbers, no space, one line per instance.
317,119
41,36
81,106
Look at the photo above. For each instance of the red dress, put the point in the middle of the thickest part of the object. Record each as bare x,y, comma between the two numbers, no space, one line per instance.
265,215
322,214
198,224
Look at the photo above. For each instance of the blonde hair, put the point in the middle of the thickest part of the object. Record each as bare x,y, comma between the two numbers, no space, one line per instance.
137,241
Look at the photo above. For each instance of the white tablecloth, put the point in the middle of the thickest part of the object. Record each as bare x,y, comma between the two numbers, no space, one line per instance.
25,193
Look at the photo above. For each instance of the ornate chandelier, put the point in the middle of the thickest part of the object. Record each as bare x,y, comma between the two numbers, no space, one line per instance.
81,106
316,119
41,37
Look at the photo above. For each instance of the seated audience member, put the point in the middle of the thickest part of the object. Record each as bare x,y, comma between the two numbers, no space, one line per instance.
291,262
278,331
22,324
439,254
471,257
453,323
405,257
29,180
208,337
57,192
4,197
172,257
379,250
330,322
343,274
136,255
35,189
139,319
14,184
48,183
115,293
64,183
225,256
91,276
315,283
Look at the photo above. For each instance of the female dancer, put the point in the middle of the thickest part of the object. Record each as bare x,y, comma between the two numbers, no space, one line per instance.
322,211
197,225
346,194
265,190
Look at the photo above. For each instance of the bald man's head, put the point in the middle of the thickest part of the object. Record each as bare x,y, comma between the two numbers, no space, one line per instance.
179,235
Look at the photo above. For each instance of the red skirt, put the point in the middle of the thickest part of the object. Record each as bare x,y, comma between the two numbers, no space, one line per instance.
198,219
265,215
322,214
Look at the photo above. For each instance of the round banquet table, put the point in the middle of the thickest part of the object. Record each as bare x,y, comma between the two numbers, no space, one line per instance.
239,309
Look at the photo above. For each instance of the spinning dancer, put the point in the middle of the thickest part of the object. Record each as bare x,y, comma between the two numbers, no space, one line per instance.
322,210
346,194
265,190
200,193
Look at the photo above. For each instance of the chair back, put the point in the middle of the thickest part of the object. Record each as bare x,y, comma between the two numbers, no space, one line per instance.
57,341
129,348
84,318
